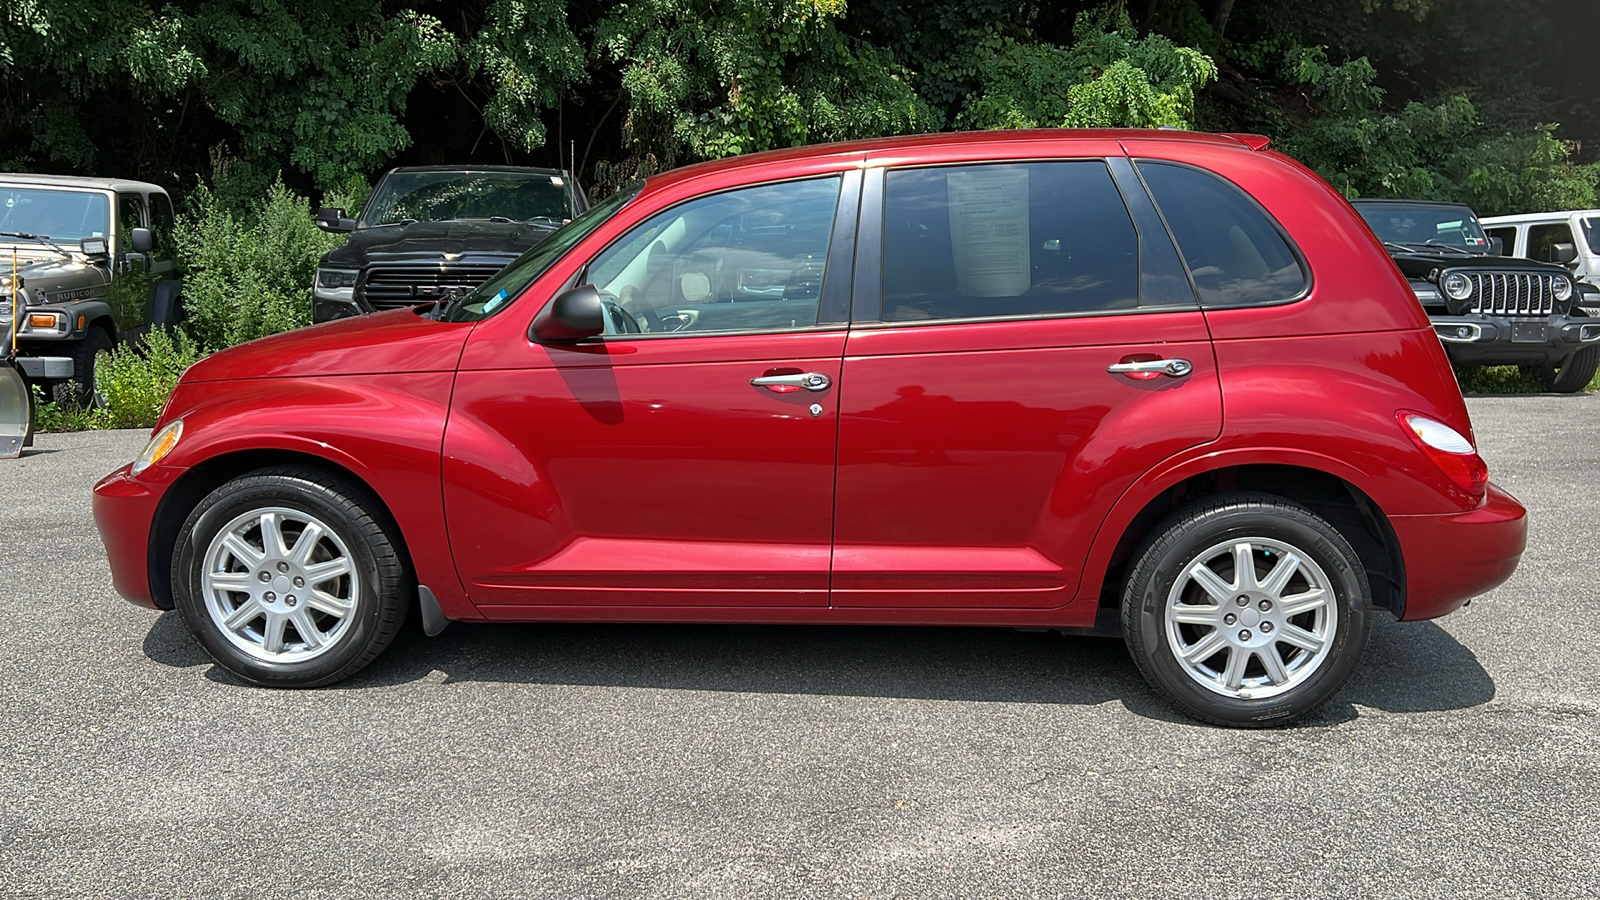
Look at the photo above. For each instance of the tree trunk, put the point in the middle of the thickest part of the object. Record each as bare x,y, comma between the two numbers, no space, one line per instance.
1224,9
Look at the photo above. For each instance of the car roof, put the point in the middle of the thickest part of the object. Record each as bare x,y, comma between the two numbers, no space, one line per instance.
80,182
914,141
512,170
1363,201
1520,218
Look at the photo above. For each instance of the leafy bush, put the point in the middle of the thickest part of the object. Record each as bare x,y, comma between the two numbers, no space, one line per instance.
248,274
1507,380
136,382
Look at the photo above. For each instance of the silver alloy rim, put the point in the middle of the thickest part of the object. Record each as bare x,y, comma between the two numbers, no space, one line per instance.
280,585
1251,618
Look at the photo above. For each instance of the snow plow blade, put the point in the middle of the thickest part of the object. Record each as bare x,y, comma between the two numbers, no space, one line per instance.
16,411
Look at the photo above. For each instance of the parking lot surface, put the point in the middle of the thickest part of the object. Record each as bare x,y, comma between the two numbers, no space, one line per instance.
1463,759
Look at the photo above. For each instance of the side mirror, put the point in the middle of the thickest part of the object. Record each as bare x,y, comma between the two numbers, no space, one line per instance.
94,247
1497,247
333,219
141,240
573,315
1563,254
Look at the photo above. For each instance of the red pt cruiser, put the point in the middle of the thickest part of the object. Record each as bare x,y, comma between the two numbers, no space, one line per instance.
1164,381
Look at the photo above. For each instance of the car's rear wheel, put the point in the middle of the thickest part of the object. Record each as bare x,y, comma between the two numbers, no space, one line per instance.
1572,376
289,577
1246,610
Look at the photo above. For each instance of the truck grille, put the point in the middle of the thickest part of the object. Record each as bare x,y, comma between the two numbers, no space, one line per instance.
392,287
1512,293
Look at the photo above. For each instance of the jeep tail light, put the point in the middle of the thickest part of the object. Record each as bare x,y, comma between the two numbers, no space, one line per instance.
1449,450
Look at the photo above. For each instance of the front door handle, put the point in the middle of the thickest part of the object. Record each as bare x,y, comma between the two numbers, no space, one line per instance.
1150,368
788,384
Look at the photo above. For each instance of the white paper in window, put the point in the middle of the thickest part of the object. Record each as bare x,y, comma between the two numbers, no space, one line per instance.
989,230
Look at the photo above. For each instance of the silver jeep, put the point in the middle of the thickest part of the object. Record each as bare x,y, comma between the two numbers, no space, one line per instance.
85,264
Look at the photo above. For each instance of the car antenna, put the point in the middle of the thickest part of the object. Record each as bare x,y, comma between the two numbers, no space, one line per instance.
572,192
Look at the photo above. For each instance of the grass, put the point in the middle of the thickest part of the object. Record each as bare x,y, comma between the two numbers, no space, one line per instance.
1506,380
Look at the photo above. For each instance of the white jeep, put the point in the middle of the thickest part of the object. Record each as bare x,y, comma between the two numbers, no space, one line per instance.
1570,238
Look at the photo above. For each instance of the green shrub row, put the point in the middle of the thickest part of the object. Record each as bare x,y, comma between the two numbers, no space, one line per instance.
247,273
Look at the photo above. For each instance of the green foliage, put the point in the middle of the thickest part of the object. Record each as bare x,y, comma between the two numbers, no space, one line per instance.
706,79
1109,77
136,382
248,274
1438,150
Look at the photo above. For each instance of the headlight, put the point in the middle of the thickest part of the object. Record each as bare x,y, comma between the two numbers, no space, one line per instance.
1456,286
161,443
1562,286
336,278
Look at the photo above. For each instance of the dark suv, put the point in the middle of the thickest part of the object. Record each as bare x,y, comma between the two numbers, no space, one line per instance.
1489,310
433,232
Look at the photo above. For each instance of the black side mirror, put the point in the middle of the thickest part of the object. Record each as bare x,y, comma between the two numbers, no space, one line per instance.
1497,247
1563,254
333,219
141,240
573,315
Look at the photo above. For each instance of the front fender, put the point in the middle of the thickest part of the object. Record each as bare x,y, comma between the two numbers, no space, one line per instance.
385,429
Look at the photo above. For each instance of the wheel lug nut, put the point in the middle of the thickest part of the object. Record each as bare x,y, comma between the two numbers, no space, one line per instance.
1266,605
290,600
1243,601
299,582
265,576
283,567
1244,634
1230,618
1266,627
269,596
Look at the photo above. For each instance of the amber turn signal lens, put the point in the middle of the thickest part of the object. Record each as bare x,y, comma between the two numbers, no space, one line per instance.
45,320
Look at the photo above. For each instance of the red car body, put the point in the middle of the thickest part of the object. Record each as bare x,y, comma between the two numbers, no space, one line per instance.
977,473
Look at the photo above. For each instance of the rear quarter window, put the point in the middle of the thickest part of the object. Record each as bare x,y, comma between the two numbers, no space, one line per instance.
1236,255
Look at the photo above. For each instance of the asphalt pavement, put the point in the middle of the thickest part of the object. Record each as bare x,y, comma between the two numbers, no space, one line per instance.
1462,760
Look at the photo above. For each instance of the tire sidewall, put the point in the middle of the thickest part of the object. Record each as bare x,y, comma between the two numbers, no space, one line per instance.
235,499
1172,554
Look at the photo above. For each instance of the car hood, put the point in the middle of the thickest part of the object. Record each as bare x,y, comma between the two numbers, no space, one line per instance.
397,341
460,241
1418,265
46,275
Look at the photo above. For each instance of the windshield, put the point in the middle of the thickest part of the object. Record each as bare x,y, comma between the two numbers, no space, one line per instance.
58,215
1591,233
1399,223
507,283
442,196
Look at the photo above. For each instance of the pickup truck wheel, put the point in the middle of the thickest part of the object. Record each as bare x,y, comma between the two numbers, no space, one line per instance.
289,578
1571,377
1246,610
88,357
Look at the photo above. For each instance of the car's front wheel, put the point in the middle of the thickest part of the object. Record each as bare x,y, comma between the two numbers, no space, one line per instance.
289,577
1246,610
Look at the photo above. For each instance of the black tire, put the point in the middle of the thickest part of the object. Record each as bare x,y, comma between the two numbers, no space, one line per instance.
377,593
1572,376
1185,539
86,357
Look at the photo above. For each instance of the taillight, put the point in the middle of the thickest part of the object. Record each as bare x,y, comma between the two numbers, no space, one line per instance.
1450,451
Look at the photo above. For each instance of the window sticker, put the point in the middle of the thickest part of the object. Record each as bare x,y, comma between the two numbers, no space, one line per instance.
989,230
494,302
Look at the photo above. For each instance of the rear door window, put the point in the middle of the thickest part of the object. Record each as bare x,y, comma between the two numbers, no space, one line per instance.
1542,240
1236,255
1006,240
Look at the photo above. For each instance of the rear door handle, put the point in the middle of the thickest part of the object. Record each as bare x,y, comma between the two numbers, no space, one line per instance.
1150,368
788,384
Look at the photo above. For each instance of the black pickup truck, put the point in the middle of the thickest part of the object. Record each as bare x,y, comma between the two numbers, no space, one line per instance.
1489,310
429,233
